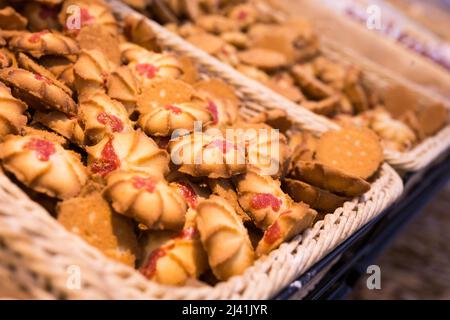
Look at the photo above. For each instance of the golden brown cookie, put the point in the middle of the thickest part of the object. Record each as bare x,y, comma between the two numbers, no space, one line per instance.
91,72
431,119
29,64
326,107
209,43
224,188
164,120
138,31
97,37
132,193
43,165
223,103
262,198
101,116
216,23
165,91
12,118
127,151
315,197
303,145
398,100
311,86
224,238
41,16
262,58
37,91
123,86
91,218
288,224
353,150
10,19
207,154
44,42
65,125
177,260
324,177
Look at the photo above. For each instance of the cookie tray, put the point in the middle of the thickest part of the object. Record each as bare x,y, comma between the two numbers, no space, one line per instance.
260,97
40,259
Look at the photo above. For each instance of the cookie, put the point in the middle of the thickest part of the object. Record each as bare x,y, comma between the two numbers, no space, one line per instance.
224,238
225,189
65,125
312,87
216,24
132,193
43,43
303,145
41,16
10,19
43,165
288,224
207,155
353,150
398,100
100,116
37,91
262,58
326,107
128,151
161,92
12,118
123,86
432,119
223,103
97,37
29,64
209,43
138,31
315,197
91,218
329,179
167,119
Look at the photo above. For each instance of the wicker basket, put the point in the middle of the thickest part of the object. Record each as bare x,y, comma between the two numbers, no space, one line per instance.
261,97
38,257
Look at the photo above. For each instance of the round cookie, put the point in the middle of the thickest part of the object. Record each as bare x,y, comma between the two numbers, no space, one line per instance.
353,150
263,58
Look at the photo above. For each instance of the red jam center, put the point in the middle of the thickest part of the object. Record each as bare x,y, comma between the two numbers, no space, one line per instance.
212,108
42,78
242,15
43,148
148,184
47,12
188,194
85,17
273,233
264,200
147,70
187,234
109,161
174,109
223,145
111,121
36,37
149,269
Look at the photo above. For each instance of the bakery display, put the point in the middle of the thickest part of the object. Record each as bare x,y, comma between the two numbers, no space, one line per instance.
262,41
148,158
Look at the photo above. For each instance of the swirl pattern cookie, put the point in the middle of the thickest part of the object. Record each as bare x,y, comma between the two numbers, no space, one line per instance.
164,120
100,116
224,238
12,110
37,91
262,198
127,151
43,165
62,124
44,42
123,86
133,193
207,155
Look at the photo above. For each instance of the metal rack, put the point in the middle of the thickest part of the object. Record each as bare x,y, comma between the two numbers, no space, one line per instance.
339,271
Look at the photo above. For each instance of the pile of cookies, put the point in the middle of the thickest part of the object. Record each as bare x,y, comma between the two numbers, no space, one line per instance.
103,128
262,42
